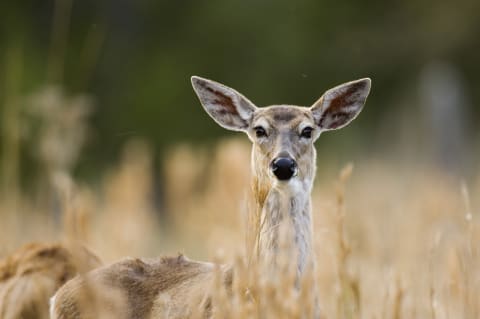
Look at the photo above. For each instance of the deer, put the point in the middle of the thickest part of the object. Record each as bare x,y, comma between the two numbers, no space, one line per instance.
31,274
283,167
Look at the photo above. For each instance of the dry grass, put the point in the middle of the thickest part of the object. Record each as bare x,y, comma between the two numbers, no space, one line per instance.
392,240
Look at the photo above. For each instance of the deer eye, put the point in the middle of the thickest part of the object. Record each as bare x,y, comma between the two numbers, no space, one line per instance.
260,131
306,132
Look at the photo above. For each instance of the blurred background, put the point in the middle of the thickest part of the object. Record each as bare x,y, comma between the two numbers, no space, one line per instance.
103,139
133,61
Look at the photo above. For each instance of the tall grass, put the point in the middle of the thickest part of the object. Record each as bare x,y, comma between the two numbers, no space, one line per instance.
391,240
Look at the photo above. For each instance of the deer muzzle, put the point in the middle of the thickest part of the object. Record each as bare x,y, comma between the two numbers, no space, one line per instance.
283,168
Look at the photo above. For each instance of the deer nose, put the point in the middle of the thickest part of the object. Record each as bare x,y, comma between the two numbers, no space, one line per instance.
283,168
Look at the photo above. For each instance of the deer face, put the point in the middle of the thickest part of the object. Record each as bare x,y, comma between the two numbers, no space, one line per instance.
283,136
283,139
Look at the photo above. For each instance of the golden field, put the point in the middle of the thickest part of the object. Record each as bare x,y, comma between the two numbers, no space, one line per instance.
396,229
393,240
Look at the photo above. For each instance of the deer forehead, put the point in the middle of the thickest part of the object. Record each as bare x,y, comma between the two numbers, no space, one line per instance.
283,116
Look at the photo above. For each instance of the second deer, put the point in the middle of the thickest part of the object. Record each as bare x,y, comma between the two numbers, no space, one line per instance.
283,171
30,275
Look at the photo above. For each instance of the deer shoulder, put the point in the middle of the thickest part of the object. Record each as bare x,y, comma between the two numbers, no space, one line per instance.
139,288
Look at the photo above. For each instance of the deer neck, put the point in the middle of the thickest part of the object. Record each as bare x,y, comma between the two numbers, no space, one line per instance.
286,221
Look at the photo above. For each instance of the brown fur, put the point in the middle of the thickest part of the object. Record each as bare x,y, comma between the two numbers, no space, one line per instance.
171,287
139,288
340,105
32,274
224,100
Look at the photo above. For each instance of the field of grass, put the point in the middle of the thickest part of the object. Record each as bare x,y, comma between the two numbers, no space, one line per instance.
395,234
392,240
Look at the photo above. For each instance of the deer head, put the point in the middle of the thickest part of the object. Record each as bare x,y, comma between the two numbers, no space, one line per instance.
283,136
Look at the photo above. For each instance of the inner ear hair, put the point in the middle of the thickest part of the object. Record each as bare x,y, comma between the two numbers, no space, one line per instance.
340,105
227,107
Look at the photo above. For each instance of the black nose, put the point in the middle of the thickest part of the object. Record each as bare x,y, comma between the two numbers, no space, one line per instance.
283,168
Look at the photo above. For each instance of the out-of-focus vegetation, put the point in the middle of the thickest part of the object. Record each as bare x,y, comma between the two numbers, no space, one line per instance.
391,240
134,58
103,140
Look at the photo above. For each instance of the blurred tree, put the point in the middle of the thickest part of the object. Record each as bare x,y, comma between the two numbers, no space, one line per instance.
135,57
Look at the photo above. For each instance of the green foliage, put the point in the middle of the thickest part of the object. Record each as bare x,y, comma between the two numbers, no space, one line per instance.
135,57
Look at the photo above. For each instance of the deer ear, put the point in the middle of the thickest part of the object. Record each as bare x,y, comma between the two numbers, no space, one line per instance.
226,106
339,106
